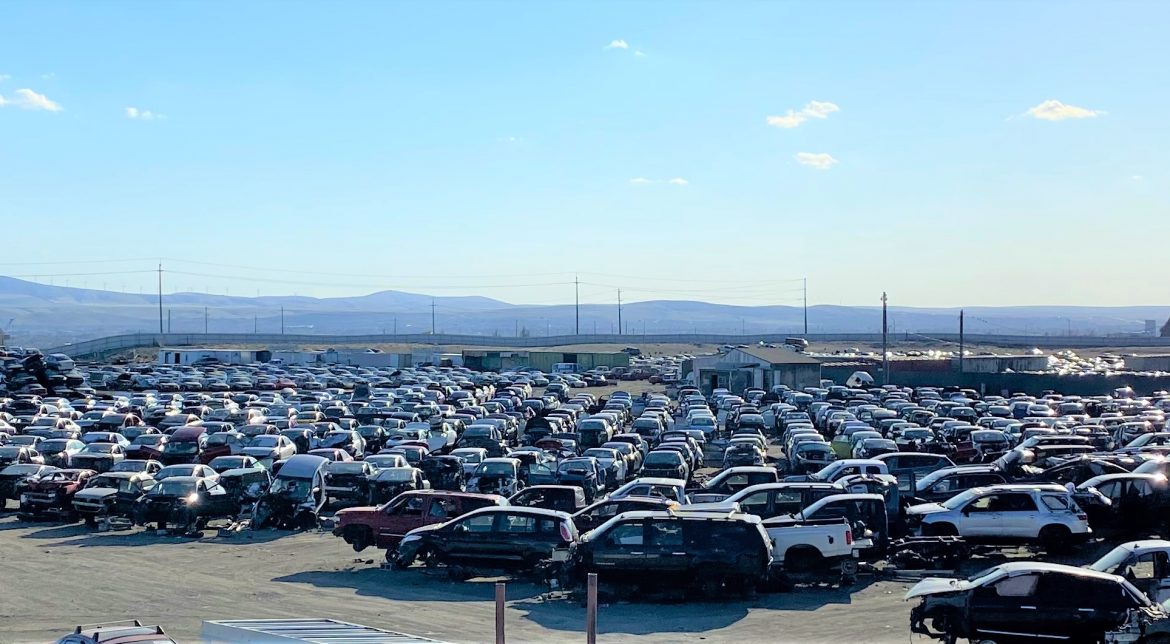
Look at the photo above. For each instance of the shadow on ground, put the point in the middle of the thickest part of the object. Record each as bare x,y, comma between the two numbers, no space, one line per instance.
411,585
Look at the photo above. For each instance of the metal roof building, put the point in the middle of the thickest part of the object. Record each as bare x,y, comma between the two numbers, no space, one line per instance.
755,366
317,631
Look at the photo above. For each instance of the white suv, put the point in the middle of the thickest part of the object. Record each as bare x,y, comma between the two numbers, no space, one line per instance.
1045,514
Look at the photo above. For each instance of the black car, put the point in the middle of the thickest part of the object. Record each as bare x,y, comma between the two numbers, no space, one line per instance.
564,498
1025,601
644,551
443,472
349,481
374,435
603,511
111,494
667,464
496,538
583,473
185,501
389,482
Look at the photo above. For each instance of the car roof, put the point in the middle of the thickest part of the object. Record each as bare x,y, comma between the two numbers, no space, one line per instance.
521,509
681,512
1022,567
654,480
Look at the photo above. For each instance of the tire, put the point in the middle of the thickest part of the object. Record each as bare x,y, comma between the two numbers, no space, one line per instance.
940,530
1055,539
90,521
359,539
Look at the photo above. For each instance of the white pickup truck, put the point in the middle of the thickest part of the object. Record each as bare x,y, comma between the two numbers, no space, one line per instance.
816,546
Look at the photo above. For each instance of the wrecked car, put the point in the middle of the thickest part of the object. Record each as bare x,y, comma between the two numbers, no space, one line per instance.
112,494
383,526
187,502
51,495
392,481
296,495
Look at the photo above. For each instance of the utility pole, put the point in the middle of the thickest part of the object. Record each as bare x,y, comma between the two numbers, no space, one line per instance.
205,320
432,317
885,344
619,311
517,328
160,324
961,341
805,306
577,299
282,320
255,323
396,325
168,321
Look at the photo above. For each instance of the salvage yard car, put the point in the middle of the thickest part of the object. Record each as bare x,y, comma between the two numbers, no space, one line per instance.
51,494
187,502
503,538
1024,601
383,526
1043,514
646,551
113,494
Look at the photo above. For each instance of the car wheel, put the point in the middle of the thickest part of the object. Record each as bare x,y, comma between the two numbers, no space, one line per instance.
1055,539
802,559
359,540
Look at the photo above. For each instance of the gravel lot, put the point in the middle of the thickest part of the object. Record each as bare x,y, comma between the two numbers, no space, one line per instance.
56,576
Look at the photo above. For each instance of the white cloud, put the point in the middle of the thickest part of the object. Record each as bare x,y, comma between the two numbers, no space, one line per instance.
4,77
1137,177
618,44
49,76
639,53
142,115
818,160
674,181
1053,110
814,110
30,100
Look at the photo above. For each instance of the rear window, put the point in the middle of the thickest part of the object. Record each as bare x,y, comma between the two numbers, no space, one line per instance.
1055,502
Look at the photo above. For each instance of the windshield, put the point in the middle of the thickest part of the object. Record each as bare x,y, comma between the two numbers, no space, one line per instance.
173,488
959,500
1115,558
266,440
120,484
470,457
663,458
185,447
347,467
397,474
297,488
23,469
99,448
221,439
148,439
52,446
572,467
495,469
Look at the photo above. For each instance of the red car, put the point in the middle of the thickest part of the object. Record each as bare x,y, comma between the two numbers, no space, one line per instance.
383,526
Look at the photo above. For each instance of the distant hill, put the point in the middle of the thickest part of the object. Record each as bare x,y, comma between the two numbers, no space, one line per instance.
45,314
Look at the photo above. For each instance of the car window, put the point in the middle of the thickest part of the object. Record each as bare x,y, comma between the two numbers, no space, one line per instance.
1054,502
756,503
517,524
626,534
411,507
441,508
988,503
666,534
1020,586
1016,503
1107,595
480,523
1144,568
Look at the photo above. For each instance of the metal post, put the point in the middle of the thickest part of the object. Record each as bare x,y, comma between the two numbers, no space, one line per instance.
396,326
432,317
591,610
577,300
619,311
501,598
169,327
205,320
961,340
160,324
806,306
282,320
255,323
885,344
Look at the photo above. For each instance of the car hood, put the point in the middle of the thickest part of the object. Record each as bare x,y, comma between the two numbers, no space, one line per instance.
937,586
258,452
96,493
89,456
925,508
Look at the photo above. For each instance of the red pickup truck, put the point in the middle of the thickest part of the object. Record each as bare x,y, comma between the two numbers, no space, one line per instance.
383,526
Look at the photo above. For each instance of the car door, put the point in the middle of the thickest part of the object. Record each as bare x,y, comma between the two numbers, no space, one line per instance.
623,549
1150,572
541,474
1005,609
1019,516
514,537
401,517
981,517
471,538
759,503
665,549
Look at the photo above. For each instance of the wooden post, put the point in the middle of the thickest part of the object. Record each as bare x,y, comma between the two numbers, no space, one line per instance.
591,610
501,597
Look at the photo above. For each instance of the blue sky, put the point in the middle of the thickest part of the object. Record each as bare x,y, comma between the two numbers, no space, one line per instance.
499,148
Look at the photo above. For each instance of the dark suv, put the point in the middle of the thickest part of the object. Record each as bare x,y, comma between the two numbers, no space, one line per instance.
707,552
503,538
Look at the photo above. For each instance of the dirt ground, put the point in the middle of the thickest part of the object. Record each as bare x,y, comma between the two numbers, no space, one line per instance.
57,576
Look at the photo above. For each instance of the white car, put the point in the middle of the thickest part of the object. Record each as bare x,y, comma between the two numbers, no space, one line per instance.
1045,514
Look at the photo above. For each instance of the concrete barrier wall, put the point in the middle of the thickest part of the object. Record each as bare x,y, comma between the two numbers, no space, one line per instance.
115,343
